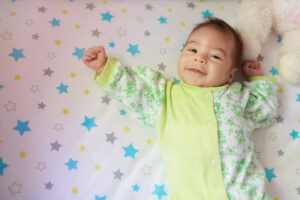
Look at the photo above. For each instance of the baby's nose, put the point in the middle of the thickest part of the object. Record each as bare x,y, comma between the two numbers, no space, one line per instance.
200,59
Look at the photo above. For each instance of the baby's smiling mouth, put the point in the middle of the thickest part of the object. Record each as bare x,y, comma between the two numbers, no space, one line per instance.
196,71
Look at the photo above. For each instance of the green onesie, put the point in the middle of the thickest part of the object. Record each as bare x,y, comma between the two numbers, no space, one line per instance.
205,134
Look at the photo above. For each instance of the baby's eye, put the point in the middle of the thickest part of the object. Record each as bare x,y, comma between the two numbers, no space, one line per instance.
193,50
215,57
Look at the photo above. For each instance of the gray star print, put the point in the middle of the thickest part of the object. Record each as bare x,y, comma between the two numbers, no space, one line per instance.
147,33
260,58
280,153
148,7
48,186
122,32
90,6
55,146
41,105
110,137
298,190
162,66
48,72
118,174
15,188
42,9
191,5
106,99
95,33
279,119
35,36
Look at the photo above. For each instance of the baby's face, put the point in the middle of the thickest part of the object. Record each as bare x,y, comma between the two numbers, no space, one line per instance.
206,60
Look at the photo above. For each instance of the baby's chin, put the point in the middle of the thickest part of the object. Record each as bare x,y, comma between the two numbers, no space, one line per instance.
204,84
194,83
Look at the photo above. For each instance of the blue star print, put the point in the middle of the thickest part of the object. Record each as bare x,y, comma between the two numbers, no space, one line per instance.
1,86
130,151
107,16
159,191
298,98
295,134
112,45
207,14
22,127
183,45
274,71
55,22
78,52
100,198
279,39
122,112
62,88
162,20
72,164
17,54
270,174
2,166
176,80
135,188
133,49
89,123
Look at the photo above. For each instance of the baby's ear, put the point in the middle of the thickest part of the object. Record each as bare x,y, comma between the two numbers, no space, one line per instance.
231,75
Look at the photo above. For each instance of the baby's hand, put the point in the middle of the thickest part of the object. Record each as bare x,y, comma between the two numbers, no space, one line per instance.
252,68
95,58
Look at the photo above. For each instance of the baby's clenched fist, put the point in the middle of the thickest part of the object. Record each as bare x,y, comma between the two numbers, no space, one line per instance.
95,58
252,68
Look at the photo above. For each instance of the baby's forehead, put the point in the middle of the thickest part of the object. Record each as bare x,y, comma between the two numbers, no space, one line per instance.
212,28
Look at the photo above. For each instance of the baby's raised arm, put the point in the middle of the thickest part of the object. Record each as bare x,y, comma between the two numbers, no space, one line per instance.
95,58
252,68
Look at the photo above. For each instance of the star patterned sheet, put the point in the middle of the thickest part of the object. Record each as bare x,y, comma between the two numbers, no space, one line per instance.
62,137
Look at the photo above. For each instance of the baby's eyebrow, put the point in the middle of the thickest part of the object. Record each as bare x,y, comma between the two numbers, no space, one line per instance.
191,41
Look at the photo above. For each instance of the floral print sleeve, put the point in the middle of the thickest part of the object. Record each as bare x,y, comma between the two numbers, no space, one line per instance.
261,107
139,87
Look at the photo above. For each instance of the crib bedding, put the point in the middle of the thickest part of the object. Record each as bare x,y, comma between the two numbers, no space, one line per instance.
62,137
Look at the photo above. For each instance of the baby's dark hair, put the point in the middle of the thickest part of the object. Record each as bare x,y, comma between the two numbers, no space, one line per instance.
224,27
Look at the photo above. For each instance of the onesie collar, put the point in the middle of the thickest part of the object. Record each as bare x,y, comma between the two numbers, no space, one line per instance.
198,89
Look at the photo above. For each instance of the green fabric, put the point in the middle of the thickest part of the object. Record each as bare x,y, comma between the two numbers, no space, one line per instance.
189,143
255,78
104,78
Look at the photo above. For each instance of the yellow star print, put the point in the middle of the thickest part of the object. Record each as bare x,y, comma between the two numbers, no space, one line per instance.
127,129
65,111
57,42
74,191
97,167
82,148
22,154
86,92
73,75
17,77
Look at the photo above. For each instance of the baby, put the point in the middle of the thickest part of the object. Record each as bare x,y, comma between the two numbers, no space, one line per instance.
204,122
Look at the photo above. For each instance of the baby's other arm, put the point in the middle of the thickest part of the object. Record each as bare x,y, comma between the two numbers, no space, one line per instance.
262,102
95,58
252,68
